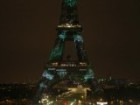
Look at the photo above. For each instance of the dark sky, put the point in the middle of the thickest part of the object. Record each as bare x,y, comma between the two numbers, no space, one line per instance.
27,34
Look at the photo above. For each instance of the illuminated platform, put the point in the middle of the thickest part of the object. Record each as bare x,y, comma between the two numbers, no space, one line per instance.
69,26
74,70
68,65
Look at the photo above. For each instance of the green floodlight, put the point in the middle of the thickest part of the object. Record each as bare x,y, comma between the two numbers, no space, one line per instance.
70,3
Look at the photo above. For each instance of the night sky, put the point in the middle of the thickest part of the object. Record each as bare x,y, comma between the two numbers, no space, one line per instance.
27,34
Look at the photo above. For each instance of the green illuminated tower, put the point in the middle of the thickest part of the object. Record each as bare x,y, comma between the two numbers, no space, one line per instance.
68,29
57,69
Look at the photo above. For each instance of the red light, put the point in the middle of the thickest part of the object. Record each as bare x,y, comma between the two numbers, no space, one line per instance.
65,103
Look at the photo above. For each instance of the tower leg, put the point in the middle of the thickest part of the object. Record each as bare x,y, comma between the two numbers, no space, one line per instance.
96,89
57,52
44,84
80,49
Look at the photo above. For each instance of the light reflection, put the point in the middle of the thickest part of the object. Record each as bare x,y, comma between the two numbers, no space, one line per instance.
47,101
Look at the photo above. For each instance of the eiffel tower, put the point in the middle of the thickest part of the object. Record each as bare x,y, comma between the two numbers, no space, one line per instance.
58,69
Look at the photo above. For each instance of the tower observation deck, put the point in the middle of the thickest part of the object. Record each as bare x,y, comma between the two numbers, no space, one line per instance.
57,69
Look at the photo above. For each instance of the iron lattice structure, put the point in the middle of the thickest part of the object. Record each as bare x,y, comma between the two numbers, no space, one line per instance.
56,70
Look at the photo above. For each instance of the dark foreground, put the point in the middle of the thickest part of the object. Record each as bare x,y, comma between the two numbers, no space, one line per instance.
22,94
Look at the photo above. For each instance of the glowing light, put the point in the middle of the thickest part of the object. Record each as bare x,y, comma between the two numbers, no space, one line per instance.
55,64
48,75
45,100
89,75
78,38
83,63
102,103
70,3
68,25
62,35
62,72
